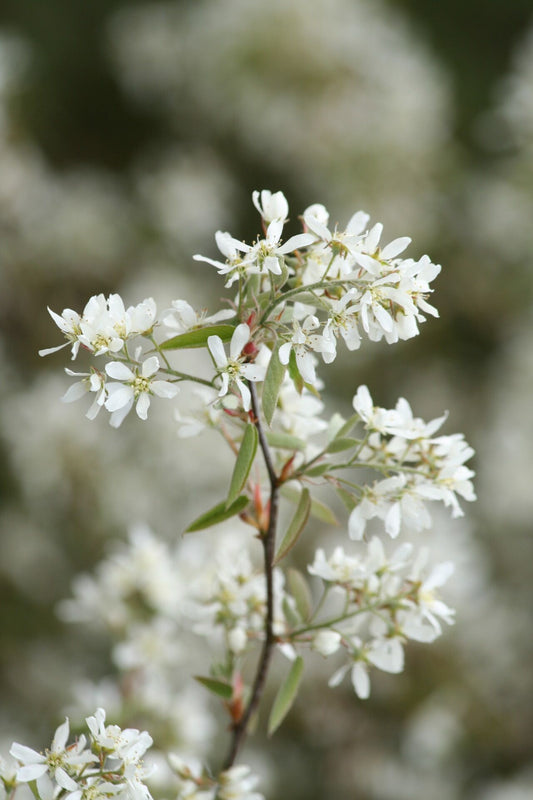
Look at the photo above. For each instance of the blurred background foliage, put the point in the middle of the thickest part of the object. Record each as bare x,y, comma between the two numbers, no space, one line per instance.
129,133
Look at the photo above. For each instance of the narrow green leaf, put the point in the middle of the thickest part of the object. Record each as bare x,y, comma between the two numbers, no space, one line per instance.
319,510
273,380
296,526
284,441
347,427
318,470
290,614
286,695
299,589
294,373
220,688
347,498
337,445
244,462
218,513
198,337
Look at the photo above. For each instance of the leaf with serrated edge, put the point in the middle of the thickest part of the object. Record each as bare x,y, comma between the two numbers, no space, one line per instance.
220,688
299,589
198,337
244,462
296,526
218,513
273,380
286,695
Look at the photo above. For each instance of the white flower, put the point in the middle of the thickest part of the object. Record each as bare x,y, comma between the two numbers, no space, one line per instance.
129,745
182,317
304,343
271,206
69,324
90,382
59,760
267,254
326,642
237,783
233,369
136,386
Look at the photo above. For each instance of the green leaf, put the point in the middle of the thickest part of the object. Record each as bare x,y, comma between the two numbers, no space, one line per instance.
296,525
220,688
347,498
337,445
347,427
319,510
198,337
284,441
290,614
286,696
294,373
218,513
299,589
273,380
244,462
319,469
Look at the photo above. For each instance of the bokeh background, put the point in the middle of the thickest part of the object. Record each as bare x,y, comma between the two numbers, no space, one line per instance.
129,133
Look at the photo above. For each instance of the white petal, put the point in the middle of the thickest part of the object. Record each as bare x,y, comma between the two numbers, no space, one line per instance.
26,754
164,389
395,247
119,398
284,353
74,392
150,367
216,348
48,350
143,404
31,772
295,242
119,371
360,681
64,780
240,337
245,394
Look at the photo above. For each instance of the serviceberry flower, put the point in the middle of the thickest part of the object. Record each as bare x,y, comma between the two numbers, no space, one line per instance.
136,386
234,369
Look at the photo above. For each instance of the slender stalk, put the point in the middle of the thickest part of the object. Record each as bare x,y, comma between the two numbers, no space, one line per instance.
268,539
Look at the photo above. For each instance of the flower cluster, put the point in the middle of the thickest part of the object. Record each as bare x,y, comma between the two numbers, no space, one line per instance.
428,468
379,603
234,600
106,765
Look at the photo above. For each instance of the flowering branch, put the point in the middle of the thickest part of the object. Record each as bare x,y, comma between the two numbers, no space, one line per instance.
325,286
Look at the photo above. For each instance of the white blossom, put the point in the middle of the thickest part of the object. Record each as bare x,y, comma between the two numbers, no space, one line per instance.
136,386
234,369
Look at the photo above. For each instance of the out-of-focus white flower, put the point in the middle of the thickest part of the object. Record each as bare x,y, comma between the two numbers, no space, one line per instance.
233,369
326,642
237,783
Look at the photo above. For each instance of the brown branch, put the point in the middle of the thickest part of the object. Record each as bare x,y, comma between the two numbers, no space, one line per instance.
268,539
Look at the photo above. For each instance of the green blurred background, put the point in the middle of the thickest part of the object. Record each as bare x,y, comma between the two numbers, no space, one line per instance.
129,133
